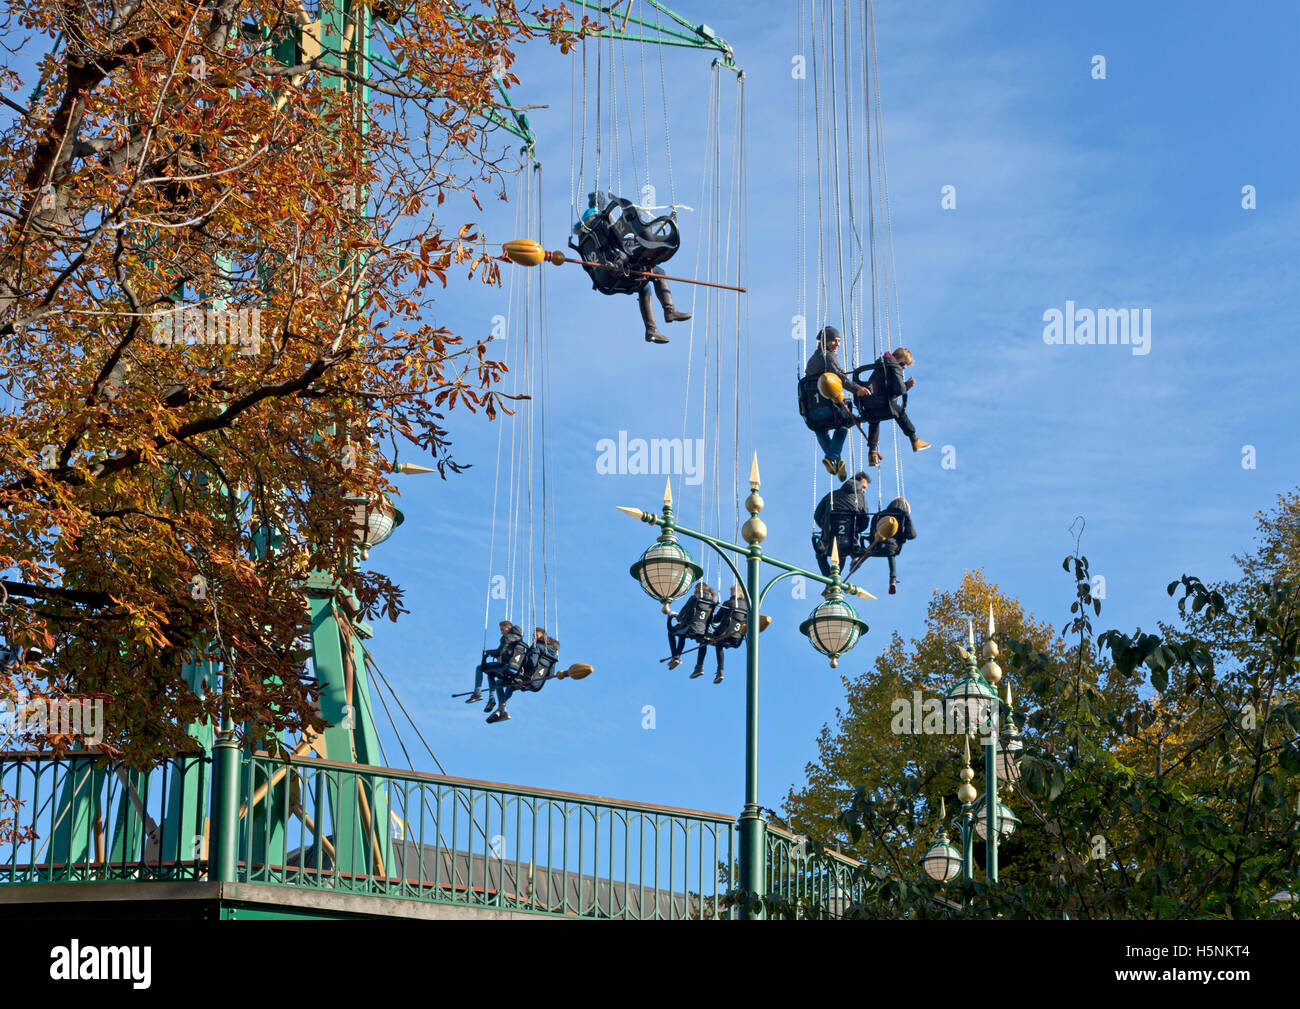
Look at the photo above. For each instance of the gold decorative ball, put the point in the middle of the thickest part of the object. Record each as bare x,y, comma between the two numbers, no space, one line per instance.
754,530
754,503
668,607
990,650
967,793
966,773
992,671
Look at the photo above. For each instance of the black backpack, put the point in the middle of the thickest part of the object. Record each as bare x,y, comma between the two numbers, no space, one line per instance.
619,239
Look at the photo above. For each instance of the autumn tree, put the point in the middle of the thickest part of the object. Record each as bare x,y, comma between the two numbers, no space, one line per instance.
222,225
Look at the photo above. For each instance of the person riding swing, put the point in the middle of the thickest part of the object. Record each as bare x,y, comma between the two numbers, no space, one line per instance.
730,624
884,397
824,394
613,234
693,624
501,662
841,517
537,667
889,531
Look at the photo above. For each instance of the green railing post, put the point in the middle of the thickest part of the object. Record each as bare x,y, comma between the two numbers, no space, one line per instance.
223,863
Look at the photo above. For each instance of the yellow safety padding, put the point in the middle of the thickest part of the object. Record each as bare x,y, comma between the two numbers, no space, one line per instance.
830,386
524,251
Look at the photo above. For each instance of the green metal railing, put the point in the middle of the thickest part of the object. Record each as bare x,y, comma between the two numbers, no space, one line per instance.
805,883
459,841
83,820
374,831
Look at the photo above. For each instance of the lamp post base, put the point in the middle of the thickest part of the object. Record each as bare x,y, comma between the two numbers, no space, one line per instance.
753,839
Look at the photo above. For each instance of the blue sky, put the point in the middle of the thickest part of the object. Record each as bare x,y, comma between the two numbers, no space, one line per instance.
1123,192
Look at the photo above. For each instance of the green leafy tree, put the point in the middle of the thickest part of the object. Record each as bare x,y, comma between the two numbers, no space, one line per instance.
1161,770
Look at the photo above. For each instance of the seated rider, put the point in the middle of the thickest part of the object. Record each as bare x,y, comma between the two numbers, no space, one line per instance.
506,657
625,244
826,359
880,400
842,516
729,627
538,662
889,531
539,665
693,623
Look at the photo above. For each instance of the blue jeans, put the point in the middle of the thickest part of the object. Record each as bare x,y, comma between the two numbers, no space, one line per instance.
832,442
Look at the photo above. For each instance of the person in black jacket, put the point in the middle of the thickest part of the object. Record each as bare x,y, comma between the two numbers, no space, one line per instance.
590,224
729,627
497,662
879,401
888,537
693,623
539,662
841,517
826,359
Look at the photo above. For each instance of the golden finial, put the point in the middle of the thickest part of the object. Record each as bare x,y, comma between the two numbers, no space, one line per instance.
835,553
668,492
991,628
753,473
966,791
636,513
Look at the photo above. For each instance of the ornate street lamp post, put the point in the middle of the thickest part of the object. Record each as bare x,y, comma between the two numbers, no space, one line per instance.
973,701
666,572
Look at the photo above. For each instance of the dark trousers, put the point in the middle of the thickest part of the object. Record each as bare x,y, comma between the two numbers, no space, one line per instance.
848,552
485,668
721,647
677,644
875,552
873,429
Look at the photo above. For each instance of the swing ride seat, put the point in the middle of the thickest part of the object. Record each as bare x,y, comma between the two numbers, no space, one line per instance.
694,619
819,413
731,633
508,667
876,406
535,674
820,550
620,240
